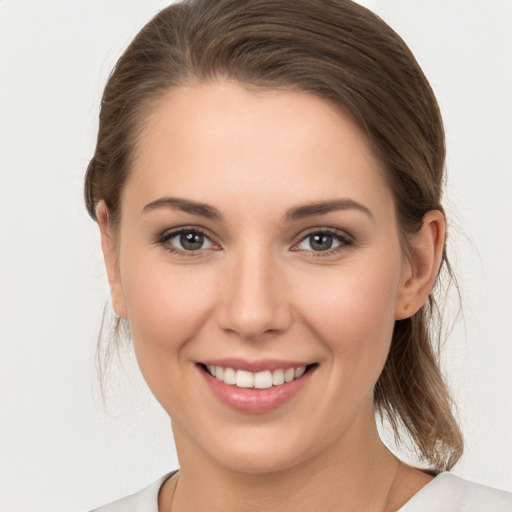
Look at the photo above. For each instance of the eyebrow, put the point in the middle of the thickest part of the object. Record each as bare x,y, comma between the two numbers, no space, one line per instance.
324,207
184,205
293,214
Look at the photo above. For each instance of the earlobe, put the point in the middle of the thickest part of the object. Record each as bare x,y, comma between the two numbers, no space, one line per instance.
426,253
110,256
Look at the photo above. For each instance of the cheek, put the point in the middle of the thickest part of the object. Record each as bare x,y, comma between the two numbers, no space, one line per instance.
166,305
166,308
352,312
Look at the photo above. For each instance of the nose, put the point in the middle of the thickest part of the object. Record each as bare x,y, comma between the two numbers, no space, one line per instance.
253,297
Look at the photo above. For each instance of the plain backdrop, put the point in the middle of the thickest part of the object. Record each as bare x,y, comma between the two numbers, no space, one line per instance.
59,449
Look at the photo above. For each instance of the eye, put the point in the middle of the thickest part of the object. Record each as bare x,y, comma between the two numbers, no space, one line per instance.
323,241
186,240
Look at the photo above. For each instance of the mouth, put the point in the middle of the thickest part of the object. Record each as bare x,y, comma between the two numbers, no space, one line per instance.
269,386
264,379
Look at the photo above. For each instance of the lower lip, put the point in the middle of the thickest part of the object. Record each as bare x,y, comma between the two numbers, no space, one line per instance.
252,400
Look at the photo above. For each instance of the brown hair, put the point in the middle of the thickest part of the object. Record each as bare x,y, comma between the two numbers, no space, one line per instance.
337,50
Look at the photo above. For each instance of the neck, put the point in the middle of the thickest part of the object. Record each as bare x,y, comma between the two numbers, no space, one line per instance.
355,475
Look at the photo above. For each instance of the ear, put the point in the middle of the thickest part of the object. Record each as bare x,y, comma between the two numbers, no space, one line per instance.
427,246
110,256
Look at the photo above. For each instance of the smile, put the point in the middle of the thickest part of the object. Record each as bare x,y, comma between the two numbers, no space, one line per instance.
259,380
256,387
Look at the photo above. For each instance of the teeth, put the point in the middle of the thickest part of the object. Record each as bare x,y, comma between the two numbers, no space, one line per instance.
299,372
229,376
289,375
261,380
278,377
244,379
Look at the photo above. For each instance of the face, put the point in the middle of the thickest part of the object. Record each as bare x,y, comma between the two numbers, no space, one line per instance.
258,242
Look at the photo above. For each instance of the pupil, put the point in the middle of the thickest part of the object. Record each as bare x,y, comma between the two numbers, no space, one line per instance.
191,241
321,242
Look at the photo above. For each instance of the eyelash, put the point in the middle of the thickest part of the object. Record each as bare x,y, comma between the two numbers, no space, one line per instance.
166,236
345,241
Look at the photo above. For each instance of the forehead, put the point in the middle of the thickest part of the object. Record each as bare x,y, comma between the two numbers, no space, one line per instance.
224,138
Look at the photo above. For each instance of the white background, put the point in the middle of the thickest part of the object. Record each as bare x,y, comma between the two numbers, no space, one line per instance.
59,450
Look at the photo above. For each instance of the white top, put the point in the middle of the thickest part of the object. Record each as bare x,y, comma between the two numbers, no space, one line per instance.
445,493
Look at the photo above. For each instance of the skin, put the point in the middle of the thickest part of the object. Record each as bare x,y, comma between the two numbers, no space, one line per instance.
257,289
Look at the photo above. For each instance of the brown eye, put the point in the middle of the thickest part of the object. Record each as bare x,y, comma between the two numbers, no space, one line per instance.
188,241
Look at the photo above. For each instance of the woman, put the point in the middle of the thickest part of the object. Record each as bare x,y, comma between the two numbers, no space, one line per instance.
267,182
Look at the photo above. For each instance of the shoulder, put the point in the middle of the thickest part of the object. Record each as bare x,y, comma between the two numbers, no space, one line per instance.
449,493
145,500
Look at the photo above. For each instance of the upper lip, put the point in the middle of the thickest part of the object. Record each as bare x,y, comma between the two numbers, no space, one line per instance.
255,366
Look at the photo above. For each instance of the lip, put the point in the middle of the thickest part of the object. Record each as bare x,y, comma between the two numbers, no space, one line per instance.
250,400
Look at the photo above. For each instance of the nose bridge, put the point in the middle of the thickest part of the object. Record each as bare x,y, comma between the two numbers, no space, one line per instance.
253,299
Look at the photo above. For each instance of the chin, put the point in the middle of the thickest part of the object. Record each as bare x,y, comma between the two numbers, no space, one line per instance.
262,450
259,462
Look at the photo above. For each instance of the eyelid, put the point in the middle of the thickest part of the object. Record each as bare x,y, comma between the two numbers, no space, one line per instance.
346,239
163,238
